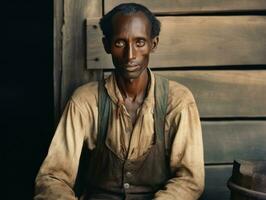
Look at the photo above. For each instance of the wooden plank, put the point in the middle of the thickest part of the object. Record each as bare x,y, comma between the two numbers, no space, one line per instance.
96,55
225,93
216,178
74,71
193,6
58,23
195,41
225,141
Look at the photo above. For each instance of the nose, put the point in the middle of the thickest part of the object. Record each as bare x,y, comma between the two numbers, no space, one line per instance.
131,53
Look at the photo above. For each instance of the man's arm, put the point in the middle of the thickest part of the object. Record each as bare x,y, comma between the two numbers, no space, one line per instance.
186,159
57,174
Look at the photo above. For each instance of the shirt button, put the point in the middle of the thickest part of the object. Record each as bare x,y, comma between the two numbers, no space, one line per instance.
126,185
128,174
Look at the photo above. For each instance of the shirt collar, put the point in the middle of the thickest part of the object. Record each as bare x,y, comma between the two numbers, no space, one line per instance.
116,96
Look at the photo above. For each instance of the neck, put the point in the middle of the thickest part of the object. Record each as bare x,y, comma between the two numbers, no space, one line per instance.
133,88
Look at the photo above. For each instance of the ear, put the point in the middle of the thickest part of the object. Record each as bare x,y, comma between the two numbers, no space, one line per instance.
106,45
155,42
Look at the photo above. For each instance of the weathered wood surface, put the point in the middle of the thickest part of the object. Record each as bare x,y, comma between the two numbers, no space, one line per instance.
195,41
74,72
215,182
226,141
58,23
193,6
222,93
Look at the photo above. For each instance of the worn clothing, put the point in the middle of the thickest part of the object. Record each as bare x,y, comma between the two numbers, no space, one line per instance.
121,179
79,126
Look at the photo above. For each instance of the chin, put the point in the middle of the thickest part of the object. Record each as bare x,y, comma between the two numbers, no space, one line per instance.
128,75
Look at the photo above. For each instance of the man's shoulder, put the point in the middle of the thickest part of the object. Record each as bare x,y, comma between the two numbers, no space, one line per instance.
87,93
179,94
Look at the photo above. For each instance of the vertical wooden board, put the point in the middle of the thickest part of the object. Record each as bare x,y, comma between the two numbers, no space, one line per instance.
58,23
196,41
192,6
96,55
225,141
221,93
74,72
216,182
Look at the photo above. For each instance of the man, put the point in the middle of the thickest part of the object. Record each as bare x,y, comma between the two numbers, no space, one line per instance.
141,133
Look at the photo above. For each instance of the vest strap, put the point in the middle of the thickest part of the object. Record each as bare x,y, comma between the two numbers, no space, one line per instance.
104,105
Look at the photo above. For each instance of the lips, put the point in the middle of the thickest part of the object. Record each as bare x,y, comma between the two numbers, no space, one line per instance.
132,67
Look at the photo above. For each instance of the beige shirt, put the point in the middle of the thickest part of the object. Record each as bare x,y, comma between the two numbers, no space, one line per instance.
79,124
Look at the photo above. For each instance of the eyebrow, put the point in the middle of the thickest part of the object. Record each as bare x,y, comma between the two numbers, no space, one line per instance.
141,38
136,38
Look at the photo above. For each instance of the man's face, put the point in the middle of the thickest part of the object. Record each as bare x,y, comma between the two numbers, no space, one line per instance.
131,44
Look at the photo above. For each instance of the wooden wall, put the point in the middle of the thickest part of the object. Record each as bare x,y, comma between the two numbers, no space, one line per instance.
215,48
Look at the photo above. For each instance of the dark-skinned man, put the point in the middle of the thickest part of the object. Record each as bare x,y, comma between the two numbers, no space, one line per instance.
141,132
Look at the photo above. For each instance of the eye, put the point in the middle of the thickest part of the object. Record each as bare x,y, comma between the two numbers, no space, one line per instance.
120,43
140,43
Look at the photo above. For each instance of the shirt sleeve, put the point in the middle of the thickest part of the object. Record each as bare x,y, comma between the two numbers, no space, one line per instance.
186,158
56,177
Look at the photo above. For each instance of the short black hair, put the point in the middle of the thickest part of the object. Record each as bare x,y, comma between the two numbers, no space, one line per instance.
125,9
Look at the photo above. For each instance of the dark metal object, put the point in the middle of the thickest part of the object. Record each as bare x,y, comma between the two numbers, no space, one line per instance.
248,181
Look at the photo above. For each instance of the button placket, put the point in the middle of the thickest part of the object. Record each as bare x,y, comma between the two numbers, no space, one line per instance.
128,174
126,185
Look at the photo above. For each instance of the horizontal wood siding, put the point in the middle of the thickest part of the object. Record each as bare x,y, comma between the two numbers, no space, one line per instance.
193,6
195,41
225,141
216,178
221,93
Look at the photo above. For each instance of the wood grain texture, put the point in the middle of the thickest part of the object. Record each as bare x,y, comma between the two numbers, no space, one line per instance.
220,93
58,23
193,6
195,41
74,72
226,141
216,182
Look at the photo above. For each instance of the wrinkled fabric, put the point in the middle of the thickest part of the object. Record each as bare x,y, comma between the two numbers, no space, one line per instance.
79,125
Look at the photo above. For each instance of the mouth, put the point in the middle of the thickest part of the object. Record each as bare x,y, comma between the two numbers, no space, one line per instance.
131,67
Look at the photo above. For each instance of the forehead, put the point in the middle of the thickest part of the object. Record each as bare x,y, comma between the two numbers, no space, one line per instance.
132,23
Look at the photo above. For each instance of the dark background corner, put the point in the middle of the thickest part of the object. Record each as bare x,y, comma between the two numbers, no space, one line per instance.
26,93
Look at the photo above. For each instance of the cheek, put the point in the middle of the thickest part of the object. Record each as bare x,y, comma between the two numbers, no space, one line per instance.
115,51
144,60
145,53
117,54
